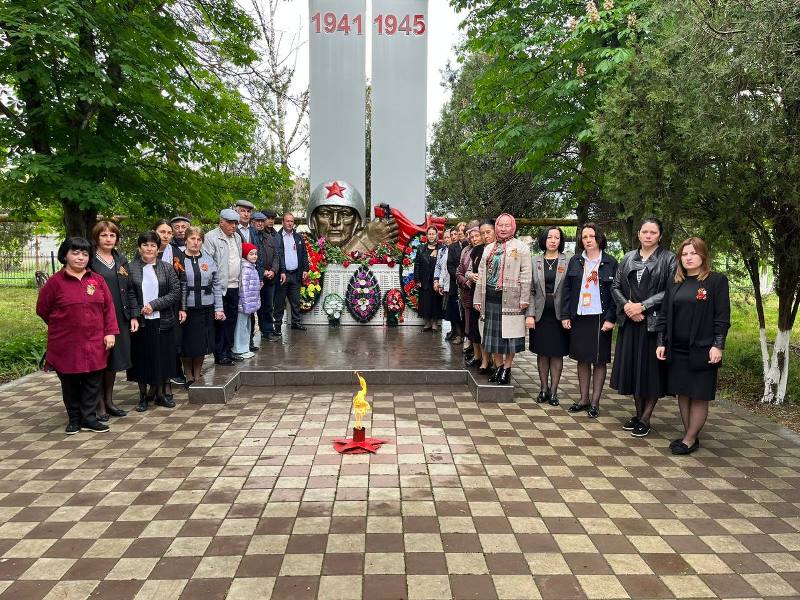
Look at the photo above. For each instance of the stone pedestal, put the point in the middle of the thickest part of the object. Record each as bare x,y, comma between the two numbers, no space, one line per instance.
335,281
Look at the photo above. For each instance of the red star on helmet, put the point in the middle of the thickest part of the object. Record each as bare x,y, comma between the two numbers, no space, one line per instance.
335,190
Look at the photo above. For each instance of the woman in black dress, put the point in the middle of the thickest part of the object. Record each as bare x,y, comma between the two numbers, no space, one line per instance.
548,338
170,253
158,292
638,289
112,265
203,305
588,312
430,302
691,337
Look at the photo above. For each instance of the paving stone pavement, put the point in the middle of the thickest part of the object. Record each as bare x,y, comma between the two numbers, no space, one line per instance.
513,501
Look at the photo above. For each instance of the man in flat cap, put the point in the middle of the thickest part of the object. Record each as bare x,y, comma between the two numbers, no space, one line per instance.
224,245
179,226
245,209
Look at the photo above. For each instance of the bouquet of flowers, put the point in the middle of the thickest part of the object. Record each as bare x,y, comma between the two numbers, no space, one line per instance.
311,289
333,306
363,295
394,305
407,279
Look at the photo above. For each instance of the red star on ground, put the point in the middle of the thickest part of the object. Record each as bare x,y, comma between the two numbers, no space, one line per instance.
351,446
335,190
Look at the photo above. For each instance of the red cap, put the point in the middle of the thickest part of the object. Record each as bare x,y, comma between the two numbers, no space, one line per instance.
247,248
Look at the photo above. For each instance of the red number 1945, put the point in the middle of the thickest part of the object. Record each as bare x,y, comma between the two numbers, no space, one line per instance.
331,23
392,24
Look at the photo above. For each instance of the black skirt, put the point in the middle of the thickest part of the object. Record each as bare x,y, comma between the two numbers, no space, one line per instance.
474,325
452,309
683,381
430,304
198,332
587,344
636,370
153,354
549,338
119,357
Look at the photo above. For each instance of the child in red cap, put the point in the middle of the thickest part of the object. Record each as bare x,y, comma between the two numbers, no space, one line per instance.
249,300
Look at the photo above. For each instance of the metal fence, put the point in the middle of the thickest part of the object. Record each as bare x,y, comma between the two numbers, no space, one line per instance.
26,270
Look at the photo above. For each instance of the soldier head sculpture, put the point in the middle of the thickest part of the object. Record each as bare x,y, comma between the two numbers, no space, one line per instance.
336,211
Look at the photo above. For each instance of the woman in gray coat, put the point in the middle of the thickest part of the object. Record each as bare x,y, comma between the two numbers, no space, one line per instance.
203,305
548,338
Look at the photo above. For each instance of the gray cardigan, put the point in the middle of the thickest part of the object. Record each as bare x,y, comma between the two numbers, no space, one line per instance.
538,297
209,287
215,246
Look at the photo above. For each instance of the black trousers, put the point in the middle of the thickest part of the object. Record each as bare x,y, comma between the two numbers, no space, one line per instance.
79,392
265,317
223,330
290,290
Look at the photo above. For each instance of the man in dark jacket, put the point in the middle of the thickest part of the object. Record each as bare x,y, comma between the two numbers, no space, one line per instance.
268,266
293,260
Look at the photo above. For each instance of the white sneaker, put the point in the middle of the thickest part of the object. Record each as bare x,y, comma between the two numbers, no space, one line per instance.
248,355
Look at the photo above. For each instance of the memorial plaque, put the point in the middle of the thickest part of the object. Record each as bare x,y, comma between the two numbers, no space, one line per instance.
399,104
337,115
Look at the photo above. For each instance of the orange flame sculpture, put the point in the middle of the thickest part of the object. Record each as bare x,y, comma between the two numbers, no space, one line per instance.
359,443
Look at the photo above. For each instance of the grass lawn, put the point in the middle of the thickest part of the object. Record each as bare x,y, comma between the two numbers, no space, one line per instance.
22,333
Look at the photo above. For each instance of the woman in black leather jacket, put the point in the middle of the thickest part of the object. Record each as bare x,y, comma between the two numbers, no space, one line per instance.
638,289
163,306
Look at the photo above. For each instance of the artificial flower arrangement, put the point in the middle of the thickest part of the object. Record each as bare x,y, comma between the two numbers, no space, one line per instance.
363,295
333,306
311,289
383,254
407,279
394,305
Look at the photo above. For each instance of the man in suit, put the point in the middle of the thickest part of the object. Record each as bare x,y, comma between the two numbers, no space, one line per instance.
265,241
293,261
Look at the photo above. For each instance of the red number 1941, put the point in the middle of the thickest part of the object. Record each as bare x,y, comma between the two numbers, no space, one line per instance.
392,24
331,23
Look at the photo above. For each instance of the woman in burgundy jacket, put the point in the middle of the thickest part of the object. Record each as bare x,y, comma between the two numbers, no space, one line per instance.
81,322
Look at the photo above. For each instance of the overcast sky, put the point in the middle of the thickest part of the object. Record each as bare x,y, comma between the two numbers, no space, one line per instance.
443,34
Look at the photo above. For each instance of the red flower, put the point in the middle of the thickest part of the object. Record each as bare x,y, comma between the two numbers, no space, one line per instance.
373,261
702,294
345,263
391,263
406,262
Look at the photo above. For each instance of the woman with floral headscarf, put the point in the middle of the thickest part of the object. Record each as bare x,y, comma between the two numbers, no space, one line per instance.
501,296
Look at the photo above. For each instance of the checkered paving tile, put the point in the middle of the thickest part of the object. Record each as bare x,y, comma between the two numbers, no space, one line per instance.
509,501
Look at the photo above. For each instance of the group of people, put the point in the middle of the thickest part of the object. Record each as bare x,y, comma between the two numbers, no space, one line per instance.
186,294
672,314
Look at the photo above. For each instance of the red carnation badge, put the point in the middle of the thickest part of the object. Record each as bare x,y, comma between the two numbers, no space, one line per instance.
702,294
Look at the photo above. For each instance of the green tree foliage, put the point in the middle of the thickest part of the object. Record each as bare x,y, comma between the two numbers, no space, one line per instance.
467,185
107,104
708,124
547,64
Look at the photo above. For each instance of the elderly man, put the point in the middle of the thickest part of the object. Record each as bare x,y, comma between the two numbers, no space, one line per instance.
293,260
179,226
245,209
224,245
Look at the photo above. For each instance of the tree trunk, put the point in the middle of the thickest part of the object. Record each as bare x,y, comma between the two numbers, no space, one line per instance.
776,377
78,221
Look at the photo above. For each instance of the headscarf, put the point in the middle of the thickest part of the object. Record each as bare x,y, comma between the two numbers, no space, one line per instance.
502,242
471,230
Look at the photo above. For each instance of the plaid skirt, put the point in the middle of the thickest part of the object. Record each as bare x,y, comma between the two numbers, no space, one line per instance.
492,324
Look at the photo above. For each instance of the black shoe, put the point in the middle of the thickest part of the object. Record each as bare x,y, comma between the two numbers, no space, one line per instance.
427,328
448,336
544,396
95,426
274,337
674,443
254,348
505,377
178,380
576,408
116,411
102,418
680,448
143,401
298,326
166,401
72,429
553,401
641,430
471,363
593,412
497,375
188,384
630,424
224,362
277,332
237,357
